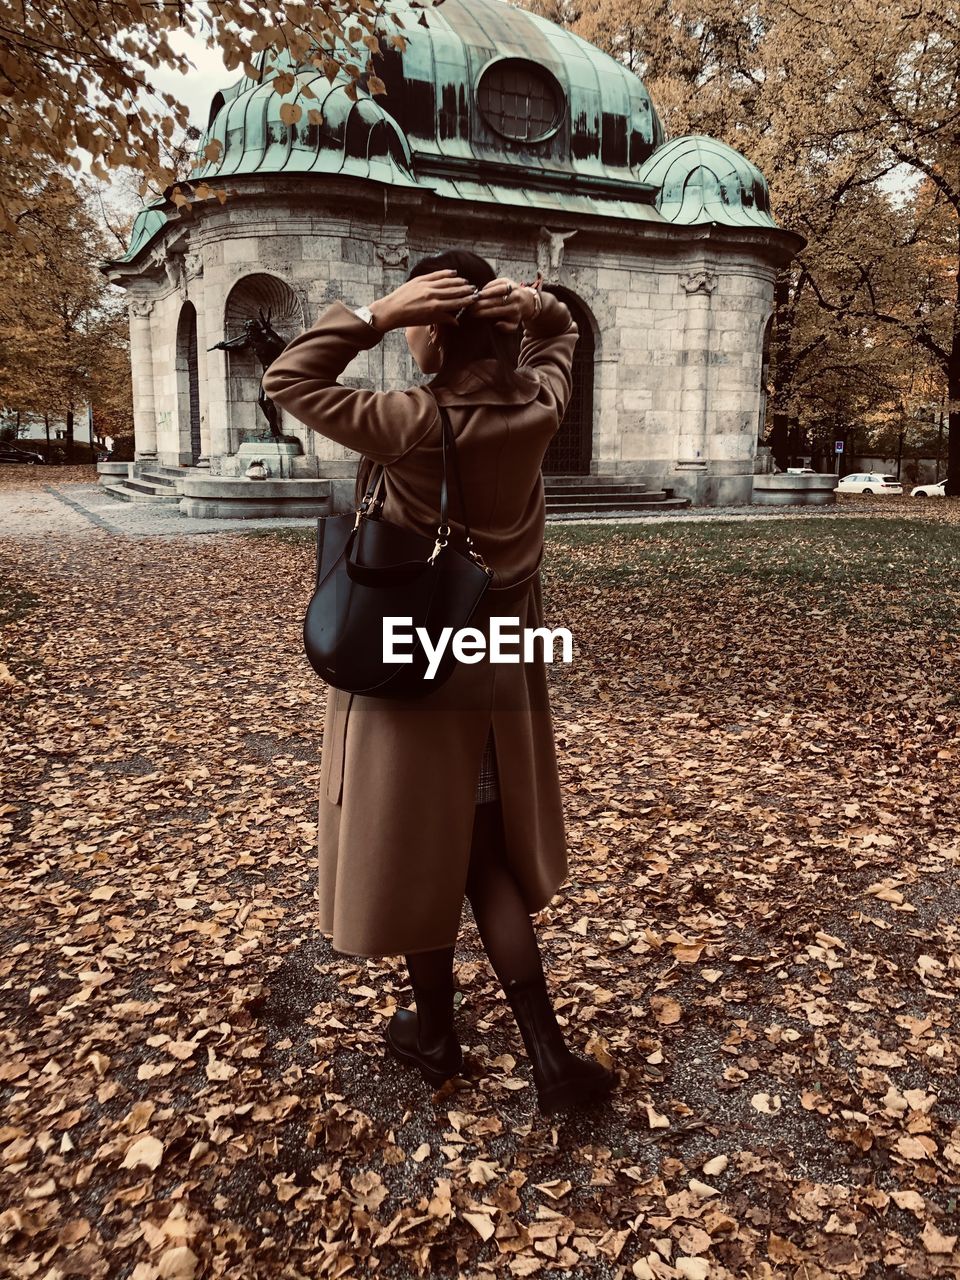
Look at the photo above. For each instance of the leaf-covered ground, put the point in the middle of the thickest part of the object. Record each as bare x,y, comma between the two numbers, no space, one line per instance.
759,748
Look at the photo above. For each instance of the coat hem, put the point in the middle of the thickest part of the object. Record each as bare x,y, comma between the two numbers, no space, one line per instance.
437,946
378,955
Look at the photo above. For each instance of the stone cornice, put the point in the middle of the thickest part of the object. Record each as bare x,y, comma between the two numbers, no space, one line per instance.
386,215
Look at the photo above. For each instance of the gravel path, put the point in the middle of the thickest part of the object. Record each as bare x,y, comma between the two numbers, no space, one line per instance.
37,511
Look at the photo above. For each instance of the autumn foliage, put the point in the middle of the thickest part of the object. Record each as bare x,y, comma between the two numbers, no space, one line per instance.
758,746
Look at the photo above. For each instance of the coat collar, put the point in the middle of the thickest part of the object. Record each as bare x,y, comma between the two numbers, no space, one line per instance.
475,385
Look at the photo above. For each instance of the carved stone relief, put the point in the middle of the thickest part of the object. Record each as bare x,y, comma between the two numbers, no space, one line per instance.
699,282
550,250
393,255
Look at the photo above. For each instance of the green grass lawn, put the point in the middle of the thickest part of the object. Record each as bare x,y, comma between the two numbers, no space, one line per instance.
904,572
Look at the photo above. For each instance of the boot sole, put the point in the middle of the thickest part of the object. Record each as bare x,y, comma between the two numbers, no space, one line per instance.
430,1074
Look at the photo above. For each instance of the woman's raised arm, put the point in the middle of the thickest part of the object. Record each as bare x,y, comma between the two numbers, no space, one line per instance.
548,343
550,332
383,425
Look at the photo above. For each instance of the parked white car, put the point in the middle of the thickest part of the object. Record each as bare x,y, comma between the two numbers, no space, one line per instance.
929,490
870,482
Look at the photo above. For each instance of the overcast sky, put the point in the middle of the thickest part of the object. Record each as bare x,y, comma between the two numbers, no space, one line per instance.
196,89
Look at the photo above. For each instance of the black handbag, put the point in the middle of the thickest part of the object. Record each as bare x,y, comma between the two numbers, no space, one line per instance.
369,569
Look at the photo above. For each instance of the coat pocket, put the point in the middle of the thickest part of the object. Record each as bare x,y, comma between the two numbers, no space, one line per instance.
335,741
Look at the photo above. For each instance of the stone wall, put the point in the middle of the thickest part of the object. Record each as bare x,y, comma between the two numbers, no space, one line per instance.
678,325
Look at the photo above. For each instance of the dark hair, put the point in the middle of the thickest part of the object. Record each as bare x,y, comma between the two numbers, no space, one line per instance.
473,338
469,339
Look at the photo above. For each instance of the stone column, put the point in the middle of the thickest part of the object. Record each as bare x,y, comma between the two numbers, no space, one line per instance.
735,376
194,289
695,341
141,371
210,301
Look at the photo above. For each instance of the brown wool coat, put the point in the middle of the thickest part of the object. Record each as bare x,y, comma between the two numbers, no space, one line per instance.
398,777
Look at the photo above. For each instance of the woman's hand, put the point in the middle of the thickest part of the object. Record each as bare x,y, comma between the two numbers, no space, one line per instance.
506,302
434,298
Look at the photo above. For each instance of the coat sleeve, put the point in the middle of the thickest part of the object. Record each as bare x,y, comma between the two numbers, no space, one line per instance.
547,346
383,425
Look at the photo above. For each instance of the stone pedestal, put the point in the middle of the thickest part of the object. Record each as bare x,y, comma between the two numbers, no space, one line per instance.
689,480
763,463
276,455
236,498
111,472
782,490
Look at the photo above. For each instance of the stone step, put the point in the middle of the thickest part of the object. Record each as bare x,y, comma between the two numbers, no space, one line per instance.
163,488
606,499
126,493
550,481
158,477
594,491
639,507
159,469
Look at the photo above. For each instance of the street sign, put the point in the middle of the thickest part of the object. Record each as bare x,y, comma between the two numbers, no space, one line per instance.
838,446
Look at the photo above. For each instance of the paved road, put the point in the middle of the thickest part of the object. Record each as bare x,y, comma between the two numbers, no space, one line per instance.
38,511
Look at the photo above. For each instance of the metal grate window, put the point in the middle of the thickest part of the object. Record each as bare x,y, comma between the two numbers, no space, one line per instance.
570,450
193,373
520,100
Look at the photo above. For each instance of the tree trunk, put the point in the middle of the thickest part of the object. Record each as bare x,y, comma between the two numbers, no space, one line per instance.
779,437
952,487
69,435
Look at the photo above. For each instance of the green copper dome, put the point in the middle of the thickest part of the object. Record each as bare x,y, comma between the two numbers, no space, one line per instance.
356,138
700,179
487,103
496,91
484,98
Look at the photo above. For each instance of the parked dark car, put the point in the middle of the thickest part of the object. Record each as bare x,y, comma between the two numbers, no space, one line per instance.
16,453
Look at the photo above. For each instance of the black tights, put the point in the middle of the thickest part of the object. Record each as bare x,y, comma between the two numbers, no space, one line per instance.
506,929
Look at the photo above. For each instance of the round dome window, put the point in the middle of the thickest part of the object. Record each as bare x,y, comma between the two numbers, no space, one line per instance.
521,100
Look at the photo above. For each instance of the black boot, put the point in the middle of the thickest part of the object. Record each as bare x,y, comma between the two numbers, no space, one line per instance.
434,1048
563,1079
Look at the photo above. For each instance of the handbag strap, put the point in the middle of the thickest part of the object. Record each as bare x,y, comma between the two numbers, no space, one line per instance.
448,442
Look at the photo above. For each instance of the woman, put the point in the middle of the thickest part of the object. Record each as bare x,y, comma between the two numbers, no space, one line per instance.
425,801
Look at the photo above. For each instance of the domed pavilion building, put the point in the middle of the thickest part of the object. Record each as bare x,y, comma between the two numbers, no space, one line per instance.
500,132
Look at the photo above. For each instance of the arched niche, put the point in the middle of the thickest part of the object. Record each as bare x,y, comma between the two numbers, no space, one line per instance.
250,295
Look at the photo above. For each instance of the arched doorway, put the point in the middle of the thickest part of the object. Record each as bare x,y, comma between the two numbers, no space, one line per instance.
188,384
571,449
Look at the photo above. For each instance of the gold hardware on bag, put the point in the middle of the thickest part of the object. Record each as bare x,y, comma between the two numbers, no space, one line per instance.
442,532
477,557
